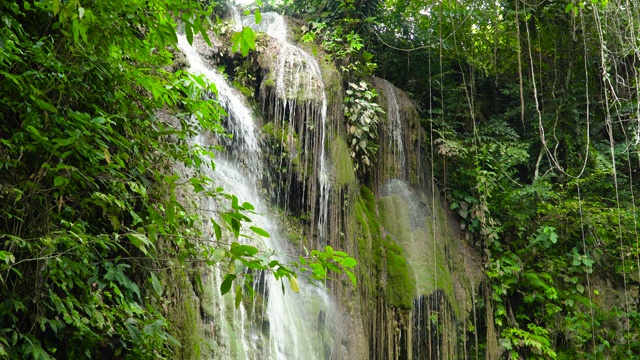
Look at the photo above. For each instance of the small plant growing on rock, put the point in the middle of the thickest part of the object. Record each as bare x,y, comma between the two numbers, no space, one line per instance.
361,112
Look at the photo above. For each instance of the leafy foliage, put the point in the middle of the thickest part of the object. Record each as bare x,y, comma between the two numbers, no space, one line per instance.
84,158
361,112
93,123
532,146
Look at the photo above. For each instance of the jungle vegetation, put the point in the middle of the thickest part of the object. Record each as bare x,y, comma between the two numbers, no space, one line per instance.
531,114
530,110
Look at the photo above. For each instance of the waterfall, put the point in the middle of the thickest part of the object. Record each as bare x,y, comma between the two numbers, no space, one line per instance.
298,82
394,129
277,325
236,20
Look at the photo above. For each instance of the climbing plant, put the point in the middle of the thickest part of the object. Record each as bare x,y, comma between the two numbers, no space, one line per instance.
532,113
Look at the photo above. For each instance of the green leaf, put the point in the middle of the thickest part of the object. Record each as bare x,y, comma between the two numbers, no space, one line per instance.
7,257
580,288
293,284
140,241
204,34
243,250
235,227
576,261
247,206
329,250
188,31
238,216
588,262
170,212
226,284
244,41
568,8
157,287
259,231
60,181
233,223
258,16
238,295
348,262
36,134
217,230
351,277
318,271
234,202
331,266
218,254
135,333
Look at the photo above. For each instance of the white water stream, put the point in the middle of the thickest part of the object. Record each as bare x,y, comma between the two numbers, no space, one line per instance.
394,129
299,82
277,325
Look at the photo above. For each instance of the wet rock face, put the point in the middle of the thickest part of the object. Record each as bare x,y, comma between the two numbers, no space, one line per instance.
417,278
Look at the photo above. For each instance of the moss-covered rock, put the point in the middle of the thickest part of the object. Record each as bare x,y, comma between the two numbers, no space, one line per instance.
182,311
401,284
342,162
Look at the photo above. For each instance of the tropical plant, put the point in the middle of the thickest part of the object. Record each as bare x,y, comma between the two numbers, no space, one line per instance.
94,123
361,112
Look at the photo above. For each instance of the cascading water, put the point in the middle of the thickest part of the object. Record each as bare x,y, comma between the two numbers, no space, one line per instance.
276,325
399,151
288,160
235,18
394,129
244,142
298,82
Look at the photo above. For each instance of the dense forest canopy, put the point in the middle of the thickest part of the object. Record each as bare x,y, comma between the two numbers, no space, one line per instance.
532,114
530,110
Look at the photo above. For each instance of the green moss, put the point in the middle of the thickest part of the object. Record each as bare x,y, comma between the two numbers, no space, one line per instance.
182,312
414,230
342,162
292,226
278,138
331,78
377,254
369,242
296,33
294,238
270,83
401,284
207,301
268,129
243,89
368,198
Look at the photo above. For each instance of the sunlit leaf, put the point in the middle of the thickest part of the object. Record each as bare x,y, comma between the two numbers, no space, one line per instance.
258,16
293,284
259,231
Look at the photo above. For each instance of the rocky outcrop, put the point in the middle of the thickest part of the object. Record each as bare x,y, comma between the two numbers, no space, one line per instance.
418,280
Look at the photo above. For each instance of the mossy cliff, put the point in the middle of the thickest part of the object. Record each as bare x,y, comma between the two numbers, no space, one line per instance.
417,278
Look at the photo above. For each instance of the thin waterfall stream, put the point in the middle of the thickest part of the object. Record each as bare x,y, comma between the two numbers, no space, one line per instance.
394,129
299,83
278,324
281,164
